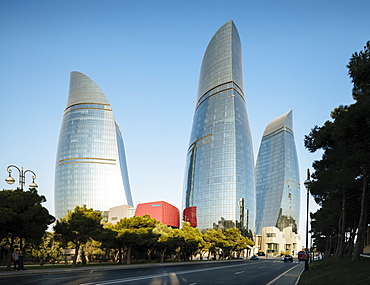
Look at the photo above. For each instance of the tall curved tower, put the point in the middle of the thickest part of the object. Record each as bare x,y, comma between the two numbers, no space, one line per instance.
277,177
91,165
219,175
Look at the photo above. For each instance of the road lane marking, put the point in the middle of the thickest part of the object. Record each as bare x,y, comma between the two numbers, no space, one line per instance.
130,279
239,272
273,280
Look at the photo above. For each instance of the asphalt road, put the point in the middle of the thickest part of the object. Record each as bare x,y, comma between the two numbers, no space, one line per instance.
263,271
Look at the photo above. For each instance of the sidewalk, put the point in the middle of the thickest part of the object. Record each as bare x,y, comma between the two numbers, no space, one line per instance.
289,277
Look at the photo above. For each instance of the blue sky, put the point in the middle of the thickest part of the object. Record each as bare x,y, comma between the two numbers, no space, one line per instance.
146,57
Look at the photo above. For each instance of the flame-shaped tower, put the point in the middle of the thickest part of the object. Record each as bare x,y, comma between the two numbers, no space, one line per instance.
219,175
91,165
277,177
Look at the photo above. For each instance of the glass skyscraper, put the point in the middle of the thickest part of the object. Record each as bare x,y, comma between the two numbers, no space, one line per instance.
219,174
277,177
91,165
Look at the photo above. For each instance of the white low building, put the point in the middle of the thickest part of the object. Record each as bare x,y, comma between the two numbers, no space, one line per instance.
276,242
120,212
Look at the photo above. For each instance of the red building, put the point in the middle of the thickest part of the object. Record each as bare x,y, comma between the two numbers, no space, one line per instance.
161,211
190,215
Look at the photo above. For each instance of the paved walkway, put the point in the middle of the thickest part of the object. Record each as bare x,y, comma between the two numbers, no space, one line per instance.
289,277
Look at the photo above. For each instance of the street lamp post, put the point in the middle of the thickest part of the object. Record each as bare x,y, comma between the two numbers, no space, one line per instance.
307,184
22,177
22,180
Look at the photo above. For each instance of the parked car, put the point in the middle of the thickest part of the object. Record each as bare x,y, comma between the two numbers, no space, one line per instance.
254,257
261,253
288,258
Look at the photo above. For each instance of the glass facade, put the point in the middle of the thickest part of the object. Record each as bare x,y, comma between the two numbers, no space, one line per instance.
91,165
277,177
219,175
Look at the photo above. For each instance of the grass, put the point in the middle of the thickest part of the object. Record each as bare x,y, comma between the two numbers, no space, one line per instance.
337,271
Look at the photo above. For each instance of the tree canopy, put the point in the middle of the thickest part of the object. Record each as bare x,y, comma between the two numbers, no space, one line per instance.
23,217
78,227
341,176
135,232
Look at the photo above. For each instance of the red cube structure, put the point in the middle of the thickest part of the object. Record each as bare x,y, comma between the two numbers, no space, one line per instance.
161,211
190,215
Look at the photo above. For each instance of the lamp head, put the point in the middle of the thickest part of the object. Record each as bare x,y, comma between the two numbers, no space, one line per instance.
308,180
10,180
33,184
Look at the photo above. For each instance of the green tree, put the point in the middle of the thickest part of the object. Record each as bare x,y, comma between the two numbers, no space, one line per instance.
324,226
215,241
109,242
235,242
232,236
22,217
345,163
167,242
78,227
135,232
48,249
333,181
359,71
179,243
193,240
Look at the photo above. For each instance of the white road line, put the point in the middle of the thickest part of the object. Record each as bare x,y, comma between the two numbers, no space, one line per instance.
162,275
239,272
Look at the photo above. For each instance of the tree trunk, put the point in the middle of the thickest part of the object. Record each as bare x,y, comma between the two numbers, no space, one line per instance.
341,229
9,260
149,254
9,254
328,244
362,221
352,238
120,255
83,257
128,255
76,254
162,255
